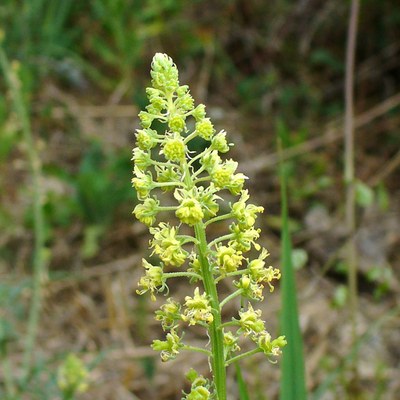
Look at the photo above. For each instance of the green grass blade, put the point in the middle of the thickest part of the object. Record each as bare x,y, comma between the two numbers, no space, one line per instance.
243,392
293,385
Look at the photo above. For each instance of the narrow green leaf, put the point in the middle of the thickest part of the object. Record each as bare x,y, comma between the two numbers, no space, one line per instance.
293,386
243,392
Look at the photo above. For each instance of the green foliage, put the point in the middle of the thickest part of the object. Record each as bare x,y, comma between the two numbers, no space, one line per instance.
38,32
102,184
364,194
293,385
242,387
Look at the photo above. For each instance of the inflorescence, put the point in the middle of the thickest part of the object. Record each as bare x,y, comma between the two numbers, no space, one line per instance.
164,162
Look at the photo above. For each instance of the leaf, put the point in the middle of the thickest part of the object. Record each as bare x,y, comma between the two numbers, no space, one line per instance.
243,393
299,258
364,194
293,385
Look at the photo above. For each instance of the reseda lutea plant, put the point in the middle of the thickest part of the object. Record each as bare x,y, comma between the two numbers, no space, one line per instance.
164,163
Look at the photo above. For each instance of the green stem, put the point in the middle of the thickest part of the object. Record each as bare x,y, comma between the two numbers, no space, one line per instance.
197,349
243,355
187,239
230,323
221,239
218,218
215,332
235,273
167,208
181,274
194,159
190,137
167,184
199,171
236,293
39,268
203,179
8,379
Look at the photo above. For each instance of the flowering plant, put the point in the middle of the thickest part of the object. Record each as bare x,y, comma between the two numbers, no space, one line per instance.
164,162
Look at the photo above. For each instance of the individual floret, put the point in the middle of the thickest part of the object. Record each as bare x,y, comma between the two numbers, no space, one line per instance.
167,245
197,309
153,281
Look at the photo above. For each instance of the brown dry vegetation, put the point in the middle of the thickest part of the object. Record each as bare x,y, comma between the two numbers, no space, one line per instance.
259,69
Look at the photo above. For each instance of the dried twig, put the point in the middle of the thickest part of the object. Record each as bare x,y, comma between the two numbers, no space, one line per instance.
349,175
332,134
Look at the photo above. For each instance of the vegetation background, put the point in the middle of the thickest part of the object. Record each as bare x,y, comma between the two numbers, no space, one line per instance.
69,248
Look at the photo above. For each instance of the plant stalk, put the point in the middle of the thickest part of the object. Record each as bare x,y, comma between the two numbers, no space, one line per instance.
39,268
215,332
349,175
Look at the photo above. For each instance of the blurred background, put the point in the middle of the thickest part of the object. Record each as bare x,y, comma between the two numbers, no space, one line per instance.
73,78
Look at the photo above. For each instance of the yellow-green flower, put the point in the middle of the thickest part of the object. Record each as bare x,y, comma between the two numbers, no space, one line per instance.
197,309
168,314
260,274
250,289
174,149
147,211
199,112
146,139
72,376
164,73
167,245
205,128
189,211
230,343
243,240
153,281
184,101
268,346
199,393
176,123
143,183
170,347
228,259
141,158
146,119
219,143
250,322
246,214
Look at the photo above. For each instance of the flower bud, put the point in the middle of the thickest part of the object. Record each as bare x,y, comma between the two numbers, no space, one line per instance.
176,123
141,158
146,119
185,103
219,143
174,149
190,211
146,139
147,212
143,183
205,128
164,73
199,112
